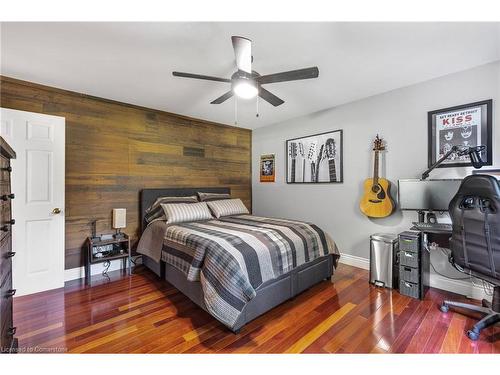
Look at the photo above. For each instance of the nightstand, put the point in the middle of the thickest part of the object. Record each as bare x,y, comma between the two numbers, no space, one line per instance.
100,250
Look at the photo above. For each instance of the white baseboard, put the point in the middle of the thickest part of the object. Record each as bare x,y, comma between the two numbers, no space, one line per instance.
95,269
352,260
463,287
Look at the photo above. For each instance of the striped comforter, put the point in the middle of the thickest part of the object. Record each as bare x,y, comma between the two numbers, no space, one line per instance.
232,256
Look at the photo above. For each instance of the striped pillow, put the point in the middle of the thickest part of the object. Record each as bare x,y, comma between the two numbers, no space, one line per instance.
227,207
206,197
155,211
180,213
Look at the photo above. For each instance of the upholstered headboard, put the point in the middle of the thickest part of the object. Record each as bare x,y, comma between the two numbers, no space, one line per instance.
148,196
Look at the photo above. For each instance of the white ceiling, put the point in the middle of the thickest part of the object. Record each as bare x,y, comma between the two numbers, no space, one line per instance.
132,62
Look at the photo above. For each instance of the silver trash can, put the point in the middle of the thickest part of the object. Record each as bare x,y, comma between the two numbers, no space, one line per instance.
384,260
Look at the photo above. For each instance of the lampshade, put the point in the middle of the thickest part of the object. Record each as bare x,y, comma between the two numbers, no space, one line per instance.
119,218
245,88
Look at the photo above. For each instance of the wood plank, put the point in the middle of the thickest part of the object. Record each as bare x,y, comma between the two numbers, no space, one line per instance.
321,328
456,330
343,335
408,331
36,332
424,331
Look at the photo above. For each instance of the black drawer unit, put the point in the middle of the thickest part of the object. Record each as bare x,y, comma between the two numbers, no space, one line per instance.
8,342
409,274
409,289
414,264
409,259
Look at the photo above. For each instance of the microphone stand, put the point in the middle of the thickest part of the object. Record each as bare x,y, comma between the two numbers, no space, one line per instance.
476,160
439,162
454,149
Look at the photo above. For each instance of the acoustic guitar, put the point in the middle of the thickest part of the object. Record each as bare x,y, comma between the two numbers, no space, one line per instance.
376,201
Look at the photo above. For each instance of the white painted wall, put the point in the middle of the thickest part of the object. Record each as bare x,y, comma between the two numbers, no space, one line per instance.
400,116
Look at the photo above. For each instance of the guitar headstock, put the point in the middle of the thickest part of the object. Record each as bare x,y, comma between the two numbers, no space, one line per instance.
330,149
311,155
302,152
378,144
293,150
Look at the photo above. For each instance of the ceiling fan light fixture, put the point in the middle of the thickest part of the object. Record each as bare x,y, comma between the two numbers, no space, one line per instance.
245,88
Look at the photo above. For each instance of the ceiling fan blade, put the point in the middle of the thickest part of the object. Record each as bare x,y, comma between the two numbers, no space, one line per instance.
291,75
223,98
243,53
199,76
270,98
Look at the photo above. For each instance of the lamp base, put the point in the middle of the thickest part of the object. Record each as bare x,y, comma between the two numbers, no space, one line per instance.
118,235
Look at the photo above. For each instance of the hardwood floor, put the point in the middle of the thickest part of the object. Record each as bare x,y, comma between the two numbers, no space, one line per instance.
141,314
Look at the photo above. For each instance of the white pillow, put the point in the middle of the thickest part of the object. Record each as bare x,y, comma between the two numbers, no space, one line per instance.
227,207
155,211
182,212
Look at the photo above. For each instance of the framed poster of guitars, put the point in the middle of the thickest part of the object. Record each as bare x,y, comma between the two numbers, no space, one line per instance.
315,159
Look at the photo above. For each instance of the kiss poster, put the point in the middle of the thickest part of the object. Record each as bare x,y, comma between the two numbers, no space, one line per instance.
458,128
465,126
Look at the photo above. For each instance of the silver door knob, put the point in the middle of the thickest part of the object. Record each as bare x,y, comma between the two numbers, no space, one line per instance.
56,211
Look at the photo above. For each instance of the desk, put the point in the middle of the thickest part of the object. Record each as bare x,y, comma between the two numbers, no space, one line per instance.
431,235
415,257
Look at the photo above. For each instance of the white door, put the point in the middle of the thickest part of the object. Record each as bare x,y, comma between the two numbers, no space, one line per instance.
38,207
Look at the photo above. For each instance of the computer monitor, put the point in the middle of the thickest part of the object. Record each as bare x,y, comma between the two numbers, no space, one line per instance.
426,195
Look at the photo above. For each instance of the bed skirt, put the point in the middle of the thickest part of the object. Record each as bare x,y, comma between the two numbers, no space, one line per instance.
269,295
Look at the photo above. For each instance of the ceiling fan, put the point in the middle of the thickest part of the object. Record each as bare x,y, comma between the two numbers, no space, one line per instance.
247,83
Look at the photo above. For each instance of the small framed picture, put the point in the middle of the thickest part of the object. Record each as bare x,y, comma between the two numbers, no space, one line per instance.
267,168
315,159
467,125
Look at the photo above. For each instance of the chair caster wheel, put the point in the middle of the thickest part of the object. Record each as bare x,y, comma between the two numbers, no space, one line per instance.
444,308
472,335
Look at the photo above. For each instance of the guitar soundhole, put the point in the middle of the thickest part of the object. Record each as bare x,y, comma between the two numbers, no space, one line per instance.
377,189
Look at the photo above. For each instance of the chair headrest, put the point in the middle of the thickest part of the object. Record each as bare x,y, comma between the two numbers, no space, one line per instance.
482,185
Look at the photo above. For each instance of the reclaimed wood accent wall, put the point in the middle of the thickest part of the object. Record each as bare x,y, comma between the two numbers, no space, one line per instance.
113,150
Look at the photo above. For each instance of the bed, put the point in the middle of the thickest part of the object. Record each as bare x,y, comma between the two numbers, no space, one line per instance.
202,259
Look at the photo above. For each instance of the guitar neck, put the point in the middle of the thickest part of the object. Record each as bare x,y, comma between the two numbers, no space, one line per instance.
318,161
313,172
332,170
375,168
293,171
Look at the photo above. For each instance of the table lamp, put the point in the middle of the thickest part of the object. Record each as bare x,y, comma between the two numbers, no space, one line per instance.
119,221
